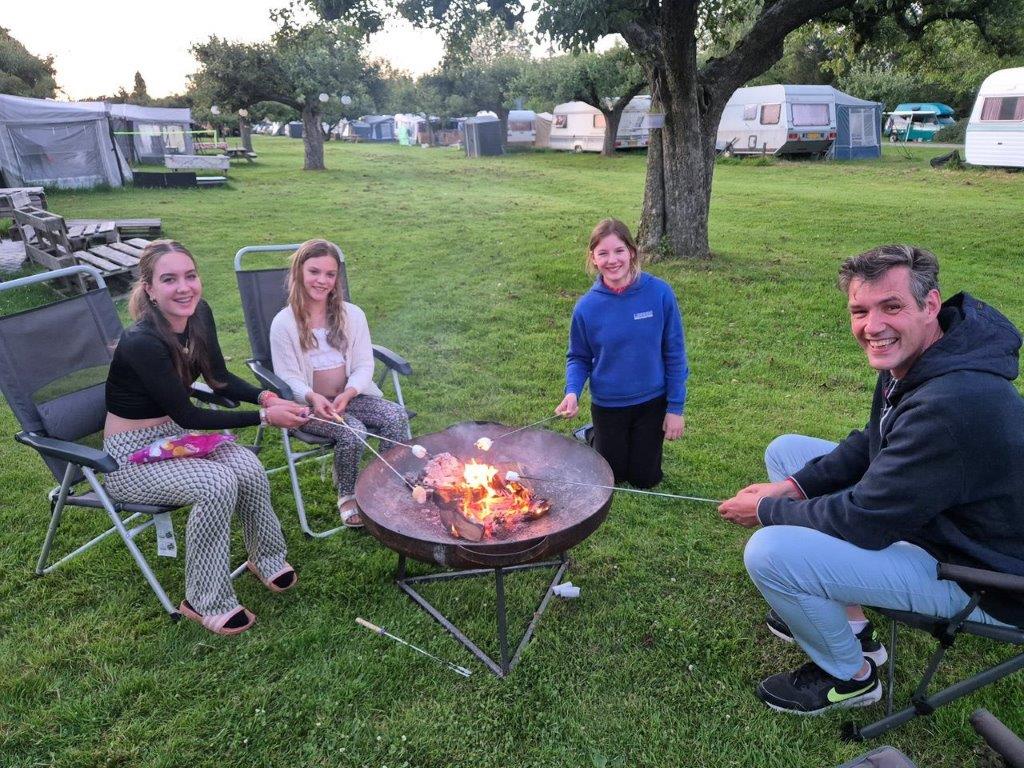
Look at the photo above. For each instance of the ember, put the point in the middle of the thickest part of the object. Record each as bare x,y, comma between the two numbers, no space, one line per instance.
476,498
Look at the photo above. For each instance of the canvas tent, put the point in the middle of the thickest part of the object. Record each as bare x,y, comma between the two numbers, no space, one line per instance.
147,134
858,128
543,123
483,136
58,144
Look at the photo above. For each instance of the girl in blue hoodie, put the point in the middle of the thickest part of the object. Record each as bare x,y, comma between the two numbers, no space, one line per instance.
627,339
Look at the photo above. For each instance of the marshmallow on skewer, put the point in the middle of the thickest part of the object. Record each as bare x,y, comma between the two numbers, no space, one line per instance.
511,477
419,451
419,494
484,443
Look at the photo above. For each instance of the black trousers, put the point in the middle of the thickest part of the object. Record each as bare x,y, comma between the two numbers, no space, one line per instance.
630,439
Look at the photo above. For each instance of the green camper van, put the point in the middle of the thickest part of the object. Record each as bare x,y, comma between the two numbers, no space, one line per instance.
918,121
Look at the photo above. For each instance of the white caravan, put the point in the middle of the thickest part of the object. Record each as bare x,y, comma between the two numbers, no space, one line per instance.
579,127
522,126
995,132
778,120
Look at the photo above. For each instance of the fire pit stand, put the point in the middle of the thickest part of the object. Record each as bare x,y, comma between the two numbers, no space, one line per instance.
415,530
506,665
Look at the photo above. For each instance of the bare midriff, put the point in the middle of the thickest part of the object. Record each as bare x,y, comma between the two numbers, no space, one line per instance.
115,425
330,382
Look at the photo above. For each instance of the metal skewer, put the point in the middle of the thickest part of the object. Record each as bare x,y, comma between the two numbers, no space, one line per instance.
381,631
363,432
617,488
520,429
359,435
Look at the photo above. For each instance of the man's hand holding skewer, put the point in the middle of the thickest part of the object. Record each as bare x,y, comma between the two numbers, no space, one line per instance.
742,508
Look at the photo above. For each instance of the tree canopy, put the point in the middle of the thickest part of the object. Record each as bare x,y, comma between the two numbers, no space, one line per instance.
23,74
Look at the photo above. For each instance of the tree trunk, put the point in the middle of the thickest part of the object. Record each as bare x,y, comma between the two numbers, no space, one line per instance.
680,156
245,130
612,117
312,138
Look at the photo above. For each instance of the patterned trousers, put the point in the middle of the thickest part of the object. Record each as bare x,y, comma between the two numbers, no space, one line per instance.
365,413
230,479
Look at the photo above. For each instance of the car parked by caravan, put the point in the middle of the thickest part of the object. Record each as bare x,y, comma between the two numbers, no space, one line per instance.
995,132
778,120
579,127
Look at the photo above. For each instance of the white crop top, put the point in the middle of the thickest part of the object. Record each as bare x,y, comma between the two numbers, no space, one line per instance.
324,357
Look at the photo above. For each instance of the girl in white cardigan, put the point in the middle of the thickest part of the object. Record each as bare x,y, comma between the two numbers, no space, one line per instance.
320,345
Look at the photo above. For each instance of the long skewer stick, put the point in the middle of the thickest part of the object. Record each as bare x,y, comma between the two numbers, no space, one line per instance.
381,631
359,435
520,429
363,432
618,488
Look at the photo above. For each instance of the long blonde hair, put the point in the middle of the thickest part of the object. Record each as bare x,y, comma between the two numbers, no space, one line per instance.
615,227
143,310
335,321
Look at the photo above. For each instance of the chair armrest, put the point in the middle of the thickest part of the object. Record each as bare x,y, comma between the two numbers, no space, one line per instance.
392,359
979,578
269,379
81,455
202,392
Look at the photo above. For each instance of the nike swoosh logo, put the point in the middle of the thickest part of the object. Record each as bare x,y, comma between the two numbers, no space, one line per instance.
835,697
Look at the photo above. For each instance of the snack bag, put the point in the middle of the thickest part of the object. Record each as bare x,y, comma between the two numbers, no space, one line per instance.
187,446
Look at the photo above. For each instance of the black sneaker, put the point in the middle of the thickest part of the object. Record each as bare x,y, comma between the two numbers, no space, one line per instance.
869,643
810,690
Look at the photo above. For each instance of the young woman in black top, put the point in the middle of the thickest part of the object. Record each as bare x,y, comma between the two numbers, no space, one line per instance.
173,341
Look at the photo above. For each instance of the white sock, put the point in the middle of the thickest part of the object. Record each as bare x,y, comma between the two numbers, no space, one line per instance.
865,676
858,625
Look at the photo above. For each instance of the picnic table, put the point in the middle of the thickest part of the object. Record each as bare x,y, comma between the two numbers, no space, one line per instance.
236,153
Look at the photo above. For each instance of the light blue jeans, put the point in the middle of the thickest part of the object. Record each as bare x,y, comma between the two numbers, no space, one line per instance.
809,577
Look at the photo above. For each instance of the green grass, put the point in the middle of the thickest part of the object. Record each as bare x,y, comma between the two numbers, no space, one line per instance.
471,269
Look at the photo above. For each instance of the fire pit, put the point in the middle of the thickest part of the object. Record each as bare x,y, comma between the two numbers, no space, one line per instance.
423,531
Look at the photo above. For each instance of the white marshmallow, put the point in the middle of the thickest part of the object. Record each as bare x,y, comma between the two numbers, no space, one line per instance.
419,452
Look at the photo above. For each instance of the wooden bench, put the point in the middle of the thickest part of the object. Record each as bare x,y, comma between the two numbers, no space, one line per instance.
126,228
240,153
52,248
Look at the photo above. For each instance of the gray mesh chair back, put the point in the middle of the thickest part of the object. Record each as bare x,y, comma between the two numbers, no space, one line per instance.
54,360
264,293
53,367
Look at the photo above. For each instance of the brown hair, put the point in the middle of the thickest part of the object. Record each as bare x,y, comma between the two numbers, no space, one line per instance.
615,227
143,310
871,265
312,249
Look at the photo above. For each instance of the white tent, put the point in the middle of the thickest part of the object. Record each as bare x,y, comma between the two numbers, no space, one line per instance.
58,144
147,134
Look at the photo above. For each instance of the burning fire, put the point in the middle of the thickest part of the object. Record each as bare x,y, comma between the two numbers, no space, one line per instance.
475,498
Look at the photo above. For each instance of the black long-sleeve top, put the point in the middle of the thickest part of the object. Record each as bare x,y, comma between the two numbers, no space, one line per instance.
143,384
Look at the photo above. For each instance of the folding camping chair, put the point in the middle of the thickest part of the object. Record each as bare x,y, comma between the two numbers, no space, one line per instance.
264,293
975,582
53,369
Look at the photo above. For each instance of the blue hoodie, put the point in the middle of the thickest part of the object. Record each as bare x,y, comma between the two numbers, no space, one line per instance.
945,470
630,345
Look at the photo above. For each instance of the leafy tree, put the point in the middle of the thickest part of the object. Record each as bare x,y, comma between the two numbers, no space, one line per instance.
300,63
21,73
606,81
139,95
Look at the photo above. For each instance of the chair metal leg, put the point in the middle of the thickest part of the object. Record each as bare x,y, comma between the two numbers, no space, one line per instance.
892,665
297,492
55,516
129,542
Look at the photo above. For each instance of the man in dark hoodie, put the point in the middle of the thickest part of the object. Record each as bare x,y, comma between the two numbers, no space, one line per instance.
936,475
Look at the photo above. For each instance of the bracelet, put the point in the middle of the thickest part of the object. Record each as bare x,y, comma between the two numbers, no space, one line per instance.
265,395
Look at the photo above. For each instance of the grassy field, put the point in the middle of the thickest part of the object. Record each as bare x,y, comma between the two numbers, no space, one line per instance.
471,269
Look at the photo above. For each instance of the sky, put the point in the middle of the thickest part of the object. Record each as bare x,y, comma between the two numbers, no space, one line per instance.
98,45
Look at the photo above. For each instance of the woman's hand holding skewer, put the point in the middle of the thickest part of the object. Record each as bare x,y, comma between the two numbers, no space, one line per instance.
569,406
341,402
286,414
322,407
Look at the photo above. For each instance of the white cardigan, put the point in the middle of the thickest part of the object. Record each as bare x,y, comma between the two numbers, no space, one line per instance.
292,365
